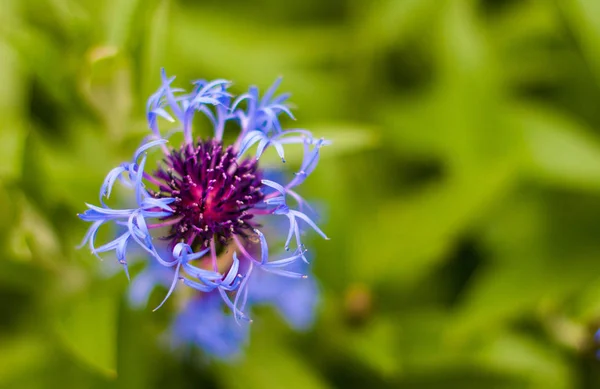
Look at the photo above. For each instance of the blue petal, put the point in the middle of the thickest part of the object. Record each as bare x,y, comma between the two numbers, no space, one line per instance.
164,114
109,181
249,139
309,222
271,91
147,146
285,273
138,181
293,227
162,203
169,93
283,262
233,271
91,232
264,247
198,286
274,185
171,289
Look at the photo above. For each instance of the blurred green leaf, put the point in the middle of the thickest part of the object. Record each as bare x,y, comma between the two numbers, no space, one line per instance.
377,347
269,364
21,357
118,19
535,363
12,131
424,346
587,306
520,283
32,237
53,163
107,86
266,55
470,93
560,150
527,37
348,138
12,142
385,23
88,328
155,46
583,17
46,62
415,233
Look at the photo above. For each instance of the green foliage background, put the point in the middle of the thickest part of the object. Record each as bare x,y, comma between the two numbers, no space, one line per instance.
462,192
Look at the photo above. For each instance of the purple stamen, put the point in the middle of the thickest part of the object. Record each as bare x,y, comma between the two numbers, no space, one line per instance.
214,193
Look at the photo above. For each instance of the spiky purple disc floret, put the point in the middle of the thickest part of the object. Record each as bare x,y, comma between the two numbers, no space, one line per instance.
214,193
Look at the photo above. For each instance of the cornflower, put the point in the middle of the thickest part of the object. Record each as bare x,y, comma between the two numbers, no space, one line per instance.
199,215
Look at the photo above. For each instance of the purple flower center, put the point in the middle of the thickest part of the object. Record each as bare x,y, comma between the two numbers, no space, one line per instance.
214,192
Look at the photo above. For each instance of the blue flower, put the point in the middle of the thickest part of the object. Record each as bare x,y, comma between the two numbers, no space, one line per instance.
203,199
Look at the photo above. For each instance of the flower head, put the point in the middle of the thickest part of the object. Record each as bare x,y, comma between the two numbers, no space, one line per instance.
198,215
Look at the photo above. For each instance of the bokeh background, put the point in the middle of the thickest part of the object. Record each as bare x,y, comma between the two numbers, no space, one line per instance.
462,192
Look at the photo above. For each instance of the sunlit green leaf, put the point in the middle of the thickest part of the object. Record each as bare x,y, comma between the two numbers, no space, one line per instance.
560,149
535,363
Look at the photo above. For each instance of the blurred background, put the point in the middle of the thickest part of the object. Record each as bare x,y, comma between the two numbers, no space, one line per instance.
462,192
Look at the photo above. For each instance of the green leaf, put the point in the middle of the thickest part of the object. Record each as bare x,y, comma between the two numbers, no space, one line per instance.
266,53
559,149
413,234
533,361
388,22
587,306
12,141
118,20
12,132
88,326
43,57
21,357
154,47
518,282
107,86
52,163
517,33
32,237
269,364
583,17
377,347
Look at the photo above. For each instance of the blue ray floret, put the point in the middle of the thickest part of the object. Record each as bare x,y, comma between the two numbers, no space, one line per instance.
196,214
